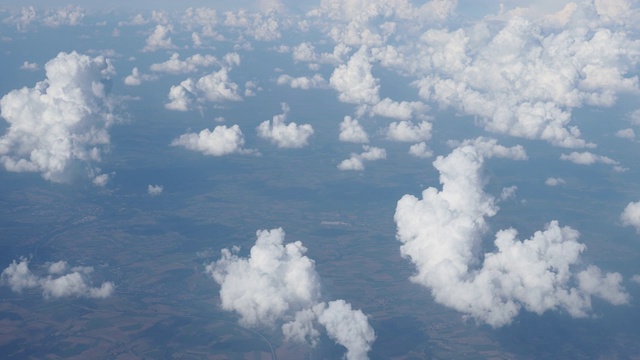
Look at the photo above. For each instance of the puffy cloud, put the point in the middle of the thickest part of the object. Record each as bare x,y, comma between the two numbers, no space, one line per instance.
68,15
278,284
626,134
283,135
136,78
101,180
221,141
159,39
303,82
354,81
554,181
29,66
191,64
524,80
442,235
61,281
508,193
588,158
262,27
352,131
24,19
403,110
631,215
276,280
349,328
154,190
59,126
356,161
408,131
214,87
634,117
420,150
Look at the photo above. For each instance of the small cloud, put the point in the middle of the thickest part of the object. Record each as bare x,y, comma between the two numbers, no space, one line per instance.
626,134
352,131
159,39
554,181
631,215
284,135
60,281
221,141
356,161
420,150
29,66
155,190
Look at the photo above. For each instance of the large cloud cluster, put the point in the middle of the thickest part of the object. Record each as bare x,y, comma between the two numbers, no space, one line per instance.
278,285
60,126
442,235
523,78
61,280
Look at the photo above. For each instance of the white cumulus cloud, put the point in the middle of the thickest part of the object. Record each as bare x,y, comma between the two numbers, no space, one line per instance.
215,87
408,131
154,190
221,141
284,135
352,131
356,161
442,236
277,285
60,282
631,215
61,124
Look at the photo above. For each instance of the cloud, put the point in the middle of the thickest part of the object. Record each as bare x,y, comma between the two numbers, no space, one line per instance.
303,82
24,19
60,126
407,131
101,180
215,87
626,134
521,78
262,27
154,190
221,141
61,281
284,135
403,110
277,285
631,215
352,131
356,161
68,15
420,150
508,193
29,66
191,64
349,328
159,39
354,81
442,235
136,78
554,181
634,117
588,158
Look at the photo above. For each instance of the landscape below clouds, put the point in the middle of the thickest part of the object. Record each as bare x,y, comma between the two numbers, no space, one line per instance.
455,179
